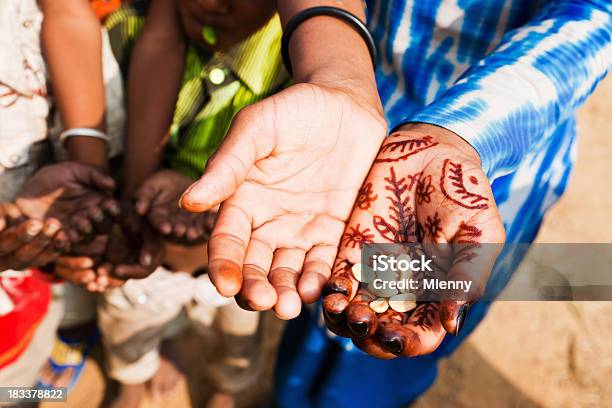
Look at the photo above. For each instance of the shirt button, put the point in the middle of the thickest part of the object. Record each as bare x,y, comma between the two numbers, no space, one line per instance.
216,76
26,23
14,159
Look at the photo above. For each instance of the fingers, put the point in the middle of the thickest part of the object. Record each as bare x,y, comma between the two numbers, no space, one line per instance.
476,246
180,226
40,250
78,270
228,168
152,250
92,176
336,323
145,196
360,318
420,335
158,218
257,292
316,272
371,346
14,237
340,289
86,224
150,257
227,248
284,276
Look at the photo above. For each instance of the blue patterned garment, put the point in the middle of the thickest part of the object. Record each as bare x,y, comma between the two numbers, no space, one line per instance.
506,75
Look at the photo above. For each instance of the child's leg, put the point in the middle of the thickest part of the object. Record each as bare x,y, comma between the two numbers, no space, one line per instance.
132,320
236,362
241,331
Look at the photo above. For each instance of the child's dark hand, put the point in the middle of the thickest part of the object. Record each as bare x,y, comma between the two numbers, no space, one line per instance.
79,267
157,200
134,250
76,194
27,242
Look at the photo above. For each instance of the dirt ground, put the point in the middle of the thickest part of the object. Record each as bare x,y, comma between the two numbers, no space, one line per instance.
524,354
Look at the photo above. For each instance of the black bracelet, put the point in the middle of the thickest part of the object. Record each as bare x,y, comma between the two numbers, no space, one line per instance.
343,15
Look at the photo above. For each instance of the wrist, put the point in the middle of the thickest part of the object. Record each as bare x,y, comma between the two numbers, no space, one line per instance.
343,63
88,150
444,137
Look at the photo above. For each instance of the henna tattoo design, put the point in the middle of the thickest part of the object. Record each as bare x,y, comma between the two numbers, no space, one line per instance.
467,236
425,315
342,268
424,189
419,232
432,226
366,197
401,226
357,237
406,148
453,173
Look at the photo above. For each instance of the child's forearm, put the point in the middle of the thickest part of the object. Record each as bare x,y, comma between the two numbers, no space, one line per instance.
153,85
72,45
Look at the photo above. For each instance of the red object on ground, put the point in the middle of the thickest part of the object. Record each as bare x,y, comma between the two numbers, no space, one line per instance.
31,297
103,8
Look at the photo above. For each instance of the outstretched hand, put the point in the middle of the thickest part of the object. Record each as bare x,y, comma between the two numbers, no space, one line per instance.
79,196
157,201
288,173
426,186
28,242
134,249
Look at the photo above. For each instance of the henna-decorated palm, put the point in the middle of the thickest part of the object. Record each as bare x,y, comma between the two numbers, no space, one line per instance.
289,171
426,186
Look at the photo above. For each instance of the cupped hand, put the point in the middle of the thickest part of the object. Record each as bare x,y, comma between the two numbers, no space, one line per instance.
426,186
28,242
79,266
79,196
288,173
157,201
134,250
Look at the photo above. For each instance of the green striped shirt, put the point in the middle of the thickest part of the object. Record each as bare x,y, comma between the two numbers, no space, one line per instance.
214,88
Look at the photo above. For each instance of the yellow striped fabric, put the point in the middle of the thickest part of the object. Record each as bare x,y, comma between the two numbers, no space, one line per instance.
252,69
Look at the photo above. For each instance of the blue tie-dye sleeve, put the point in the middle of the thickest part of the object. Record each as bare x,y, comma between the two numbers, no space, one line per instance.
535,79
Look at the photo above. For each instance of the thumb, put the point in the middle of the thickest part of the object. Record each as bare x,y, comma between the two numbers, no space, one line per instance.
475,253
145,197
229,166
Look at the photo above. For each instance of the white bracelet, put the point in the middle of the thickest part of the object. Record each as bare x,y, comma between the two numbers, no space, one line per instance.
85,132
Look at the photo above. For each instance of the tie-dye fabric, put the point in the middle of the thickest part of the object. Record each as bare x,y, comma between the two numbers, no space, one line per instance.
506,75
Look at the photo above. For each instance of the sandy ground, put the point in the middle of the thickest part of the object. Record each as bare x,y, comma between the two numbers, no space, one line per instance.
524,354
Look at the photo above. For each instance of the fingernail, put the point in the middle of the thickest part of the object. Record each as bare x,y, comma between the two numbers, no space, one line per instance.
463,312
333,317
359,329
333,287
52,227
34,228
98,216
393,343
